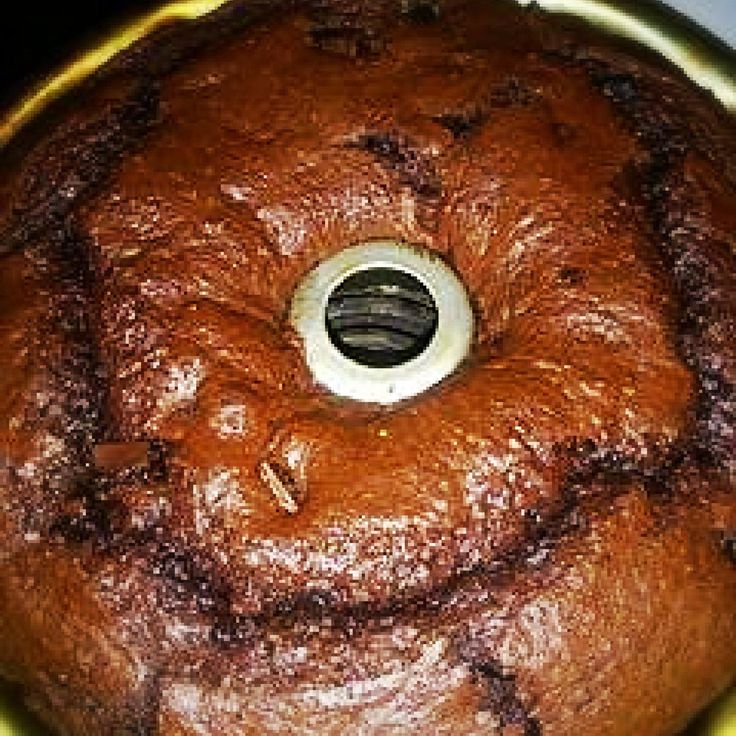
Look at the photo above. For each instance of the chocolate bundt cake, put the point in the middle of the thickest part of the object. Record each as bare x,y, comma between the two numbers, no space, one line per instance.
237,493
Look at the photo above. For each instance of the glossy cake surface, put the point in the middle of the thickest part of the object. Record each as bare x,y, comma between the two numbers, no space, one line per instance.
543,543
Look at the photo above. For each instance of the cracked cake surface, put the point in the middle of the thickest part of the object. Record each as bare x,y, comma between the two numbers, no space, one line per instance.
197,538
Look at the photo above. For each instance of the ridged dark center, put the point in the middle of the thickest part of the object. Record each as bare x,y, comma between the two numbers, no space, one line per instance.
381,317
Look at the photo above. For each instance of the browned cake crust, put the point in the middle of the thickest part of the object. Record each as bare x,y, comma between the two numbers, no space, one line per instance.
545,543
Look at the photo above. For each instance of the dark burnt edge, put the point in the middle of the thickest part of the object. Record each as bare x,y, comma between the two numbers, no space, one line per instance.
353,41
83,382
610,472
727,543
345,28
93,519
233,632
463,123
79,169
658,476
702,306
572,276
157,470
512,92
682,246
77,374
399,155
100,515
502,697
358,28
421,12
189,575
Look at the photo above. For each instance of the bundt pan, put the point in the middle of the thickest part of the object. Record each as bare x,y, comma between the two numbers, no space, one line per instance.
371,368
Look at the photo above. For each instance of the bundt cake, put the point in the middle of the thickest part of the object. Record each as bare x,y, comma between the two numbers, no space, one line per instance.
237,493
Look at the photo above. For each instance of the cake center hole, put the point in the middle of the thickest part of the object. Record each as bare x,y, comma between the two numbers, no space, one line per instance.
381,317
